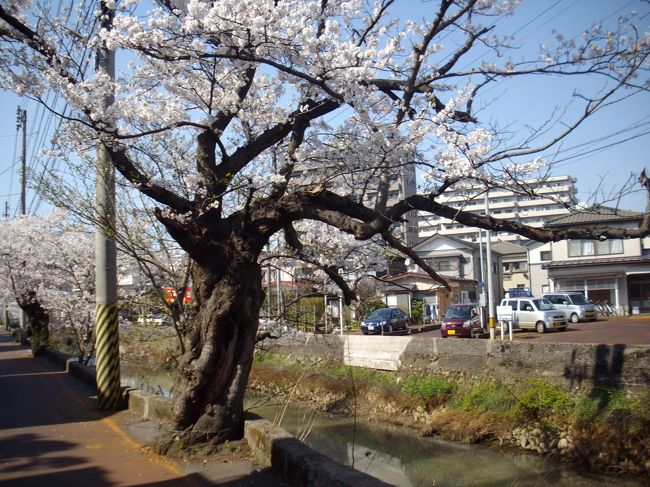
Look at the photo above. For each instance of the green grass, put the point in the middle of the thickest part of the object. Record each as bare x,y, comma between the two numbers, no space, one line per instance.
541,399
367,377
428,388
491,396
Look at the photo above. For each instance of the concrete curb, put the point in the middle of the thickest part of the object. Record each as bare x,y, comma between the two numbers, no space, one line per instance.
298,464
85,373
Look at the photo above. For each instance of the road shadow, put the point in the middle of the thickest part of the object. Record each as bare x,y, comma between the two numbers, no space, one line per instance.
29,460
15,346
22,456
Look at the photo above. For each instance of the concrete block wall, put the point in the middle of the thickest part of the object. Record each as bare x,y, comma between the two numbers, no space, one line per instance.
573,364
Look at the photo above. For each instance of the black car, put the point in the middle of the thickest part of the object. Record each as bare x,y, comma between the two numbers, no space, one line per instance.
385,320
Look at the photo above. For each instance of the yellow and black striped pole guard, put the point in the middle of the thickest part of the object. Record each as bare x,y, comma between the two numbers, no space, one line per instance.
108,358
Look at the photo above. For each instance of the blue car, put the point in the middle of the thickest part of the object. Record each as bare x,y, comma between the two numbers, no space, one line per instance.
385,320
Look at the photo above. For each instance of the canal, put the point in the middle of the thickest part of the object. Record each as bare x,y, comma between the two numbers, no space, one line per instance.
397,455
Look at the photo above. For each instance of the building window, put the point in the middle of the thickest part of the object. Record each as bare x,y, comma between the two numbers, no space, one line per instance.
579,248
444,265
545,255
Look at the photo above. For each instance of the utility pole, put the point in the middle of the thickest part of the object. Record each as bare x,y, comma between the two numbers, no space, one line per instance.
482,295
491,309
106,324
6,213
21,123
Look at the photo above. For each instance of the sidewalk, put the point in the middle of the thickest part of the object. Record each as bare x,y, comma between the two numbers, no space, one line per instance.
51,434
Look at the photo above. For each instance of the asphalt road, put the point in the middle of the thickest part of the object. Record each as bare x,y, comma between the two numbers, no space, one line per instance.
628,331
52,435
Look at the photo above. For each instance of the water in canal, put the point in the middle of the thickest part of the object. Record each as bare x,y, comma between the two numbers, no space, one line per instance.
399,457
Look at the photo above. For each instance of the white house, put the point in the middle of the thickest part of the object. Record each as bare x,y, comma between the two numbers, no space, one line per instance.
455,260
614,271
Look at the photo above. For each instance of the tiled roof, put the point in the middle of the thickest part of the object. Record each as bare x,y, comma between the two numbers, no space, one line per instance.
507,248
603,261
595,215
423,276
437,236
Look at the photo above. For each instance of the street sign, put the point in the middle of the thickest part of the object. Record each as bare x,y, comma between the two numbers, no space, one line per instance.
504,313
519,292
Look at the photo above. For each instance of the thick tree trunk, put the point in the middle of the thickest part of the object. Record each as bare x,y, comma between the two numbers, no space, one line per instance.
213,371
38,322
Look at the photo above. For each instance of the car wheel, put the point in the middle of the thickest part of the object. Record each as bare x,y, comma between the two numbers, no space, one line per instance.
575,318
562,328
364,332
390,328
540,327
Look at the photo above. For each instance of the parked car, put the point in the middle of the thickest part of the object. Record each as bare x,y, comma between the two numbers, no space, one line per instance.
155,320
385,320
461,320
575,306
536,314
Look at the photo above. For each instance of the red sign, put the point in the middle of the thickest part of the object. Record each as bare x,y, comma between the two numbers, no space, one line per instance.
170,295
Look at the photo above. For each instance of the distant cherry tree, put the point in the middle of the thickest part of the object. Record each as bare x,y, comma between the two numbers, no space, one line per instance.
47,267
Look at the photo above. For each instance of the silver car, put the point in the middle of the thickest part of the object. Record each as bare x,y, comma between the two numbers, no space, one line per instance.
575,306
536,314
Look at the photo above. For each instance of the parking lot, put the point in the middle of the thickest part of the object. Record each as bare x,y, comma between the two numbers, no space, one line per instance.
611,330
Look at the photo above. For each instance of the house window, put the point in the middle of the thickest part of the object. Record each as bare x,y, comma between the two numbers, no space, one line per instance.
545,255
444,265
578,248
607,247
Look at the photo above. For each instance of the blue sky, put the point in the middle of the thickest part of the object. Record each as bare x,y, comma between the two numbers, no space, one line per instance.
593,155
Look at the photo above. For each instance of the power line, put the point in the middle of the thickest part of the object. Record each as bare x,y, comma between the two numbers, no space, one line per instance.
598,149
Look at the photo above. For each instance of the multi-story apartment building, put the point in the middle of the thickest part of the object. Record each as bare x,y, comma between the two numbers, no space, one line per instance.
554,196
401,185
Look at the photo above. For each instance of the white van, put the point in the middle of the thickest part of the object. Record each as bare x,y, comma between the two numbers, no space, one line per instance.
536,314
575,306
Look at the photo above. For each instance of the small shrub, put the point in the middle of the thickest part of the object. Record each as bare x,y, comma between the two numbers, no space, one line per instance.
429,390
603,404
491,396
587,408
619,400
540,399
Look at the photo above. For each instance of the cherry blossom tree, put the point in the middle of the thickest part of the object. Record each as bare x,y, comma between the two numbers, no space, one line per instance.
47,268
298,110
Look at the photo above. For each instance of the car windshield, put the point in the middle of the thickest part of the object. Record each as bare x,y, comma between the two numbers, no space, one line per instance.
578,299
458,313
543,304
379,314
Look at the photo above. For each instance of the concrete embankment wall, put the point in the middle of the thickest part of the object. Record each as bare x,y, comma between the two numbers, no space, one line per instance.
574,364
